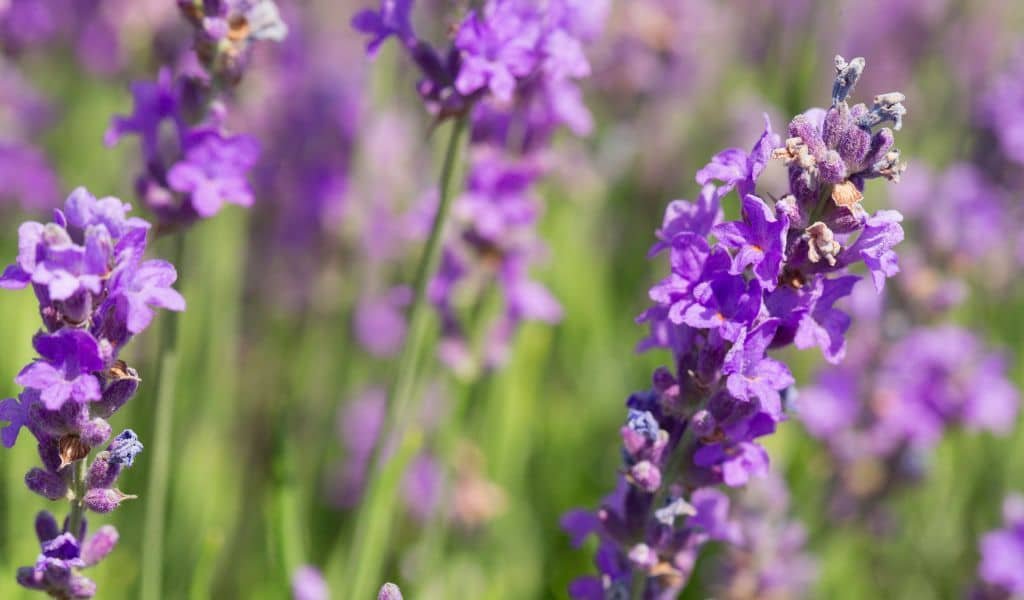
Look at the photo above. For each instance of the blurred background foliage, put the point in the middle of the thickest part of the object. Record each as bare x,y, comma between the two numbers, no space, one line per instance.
264,380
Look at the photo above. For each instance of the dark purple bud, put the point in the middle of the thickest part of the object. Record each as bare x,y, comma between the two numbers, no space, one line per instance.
95,432
646,476
854,145
663,380
46,483
104,500
832,169
27,577
801,127
125,447
122,382
837,120
46,526
847,74
99,545
389,591
102,473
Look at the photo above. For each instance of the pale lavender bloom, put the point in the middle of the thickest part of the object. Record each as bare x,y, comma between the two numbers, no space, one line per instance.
380,321
309,584
1002,552
769,557
213,170
389,591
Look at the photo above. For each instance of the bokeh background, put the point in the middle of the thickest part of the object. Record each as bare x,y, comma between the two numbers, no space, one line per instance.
280,360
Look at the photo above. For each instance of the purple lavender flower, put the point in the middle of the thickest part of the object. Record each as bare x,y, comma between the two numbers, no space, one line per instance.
882,412
94,292
759,241
768,559
392,19
58,569
1001,569
389,591
497,46
999,109
65,371
213,170
309,584
719,322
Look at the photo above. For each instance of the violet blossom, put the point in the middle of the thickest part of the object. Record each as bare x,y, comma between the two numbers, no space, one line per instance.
95,292
725,392
200,167
513,68
1001,570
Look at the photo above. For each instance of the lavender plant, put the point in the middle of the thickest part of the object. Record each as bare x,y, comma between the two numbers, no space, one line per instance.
1001,570
95,293
203,167
766,281
510,73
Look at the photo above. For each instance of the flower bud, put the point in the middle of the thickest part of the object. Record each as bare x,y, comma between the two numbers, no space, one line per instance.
102,473
95,432
122,382
46,483
125,447
389,591
104,500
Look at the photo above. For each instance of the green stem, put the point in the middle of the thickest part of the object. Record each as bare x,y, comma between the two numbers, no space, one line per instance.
162,433
78,486
373,523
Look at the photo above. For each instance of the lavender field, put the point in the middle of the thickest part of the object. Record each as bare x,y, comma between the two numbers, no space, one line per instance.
487,299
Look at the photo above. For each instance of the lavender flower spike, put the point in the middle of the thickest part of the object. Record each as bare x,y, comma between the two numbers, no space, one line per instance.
735,290
95,292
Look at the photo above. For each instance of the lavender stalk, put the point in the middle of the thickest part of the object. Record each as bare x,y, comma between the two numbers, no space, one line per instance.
735,290
95,293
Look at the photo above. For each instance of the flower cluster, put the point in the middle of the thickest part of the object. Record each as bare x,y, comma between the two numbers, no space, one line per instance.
883,411
95,292
201,167
1001,570
765,281
512,68
769,559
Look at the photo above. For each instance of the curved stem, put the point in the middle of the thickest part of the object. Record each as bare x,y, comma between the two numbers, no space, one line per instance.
373,523
163,424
